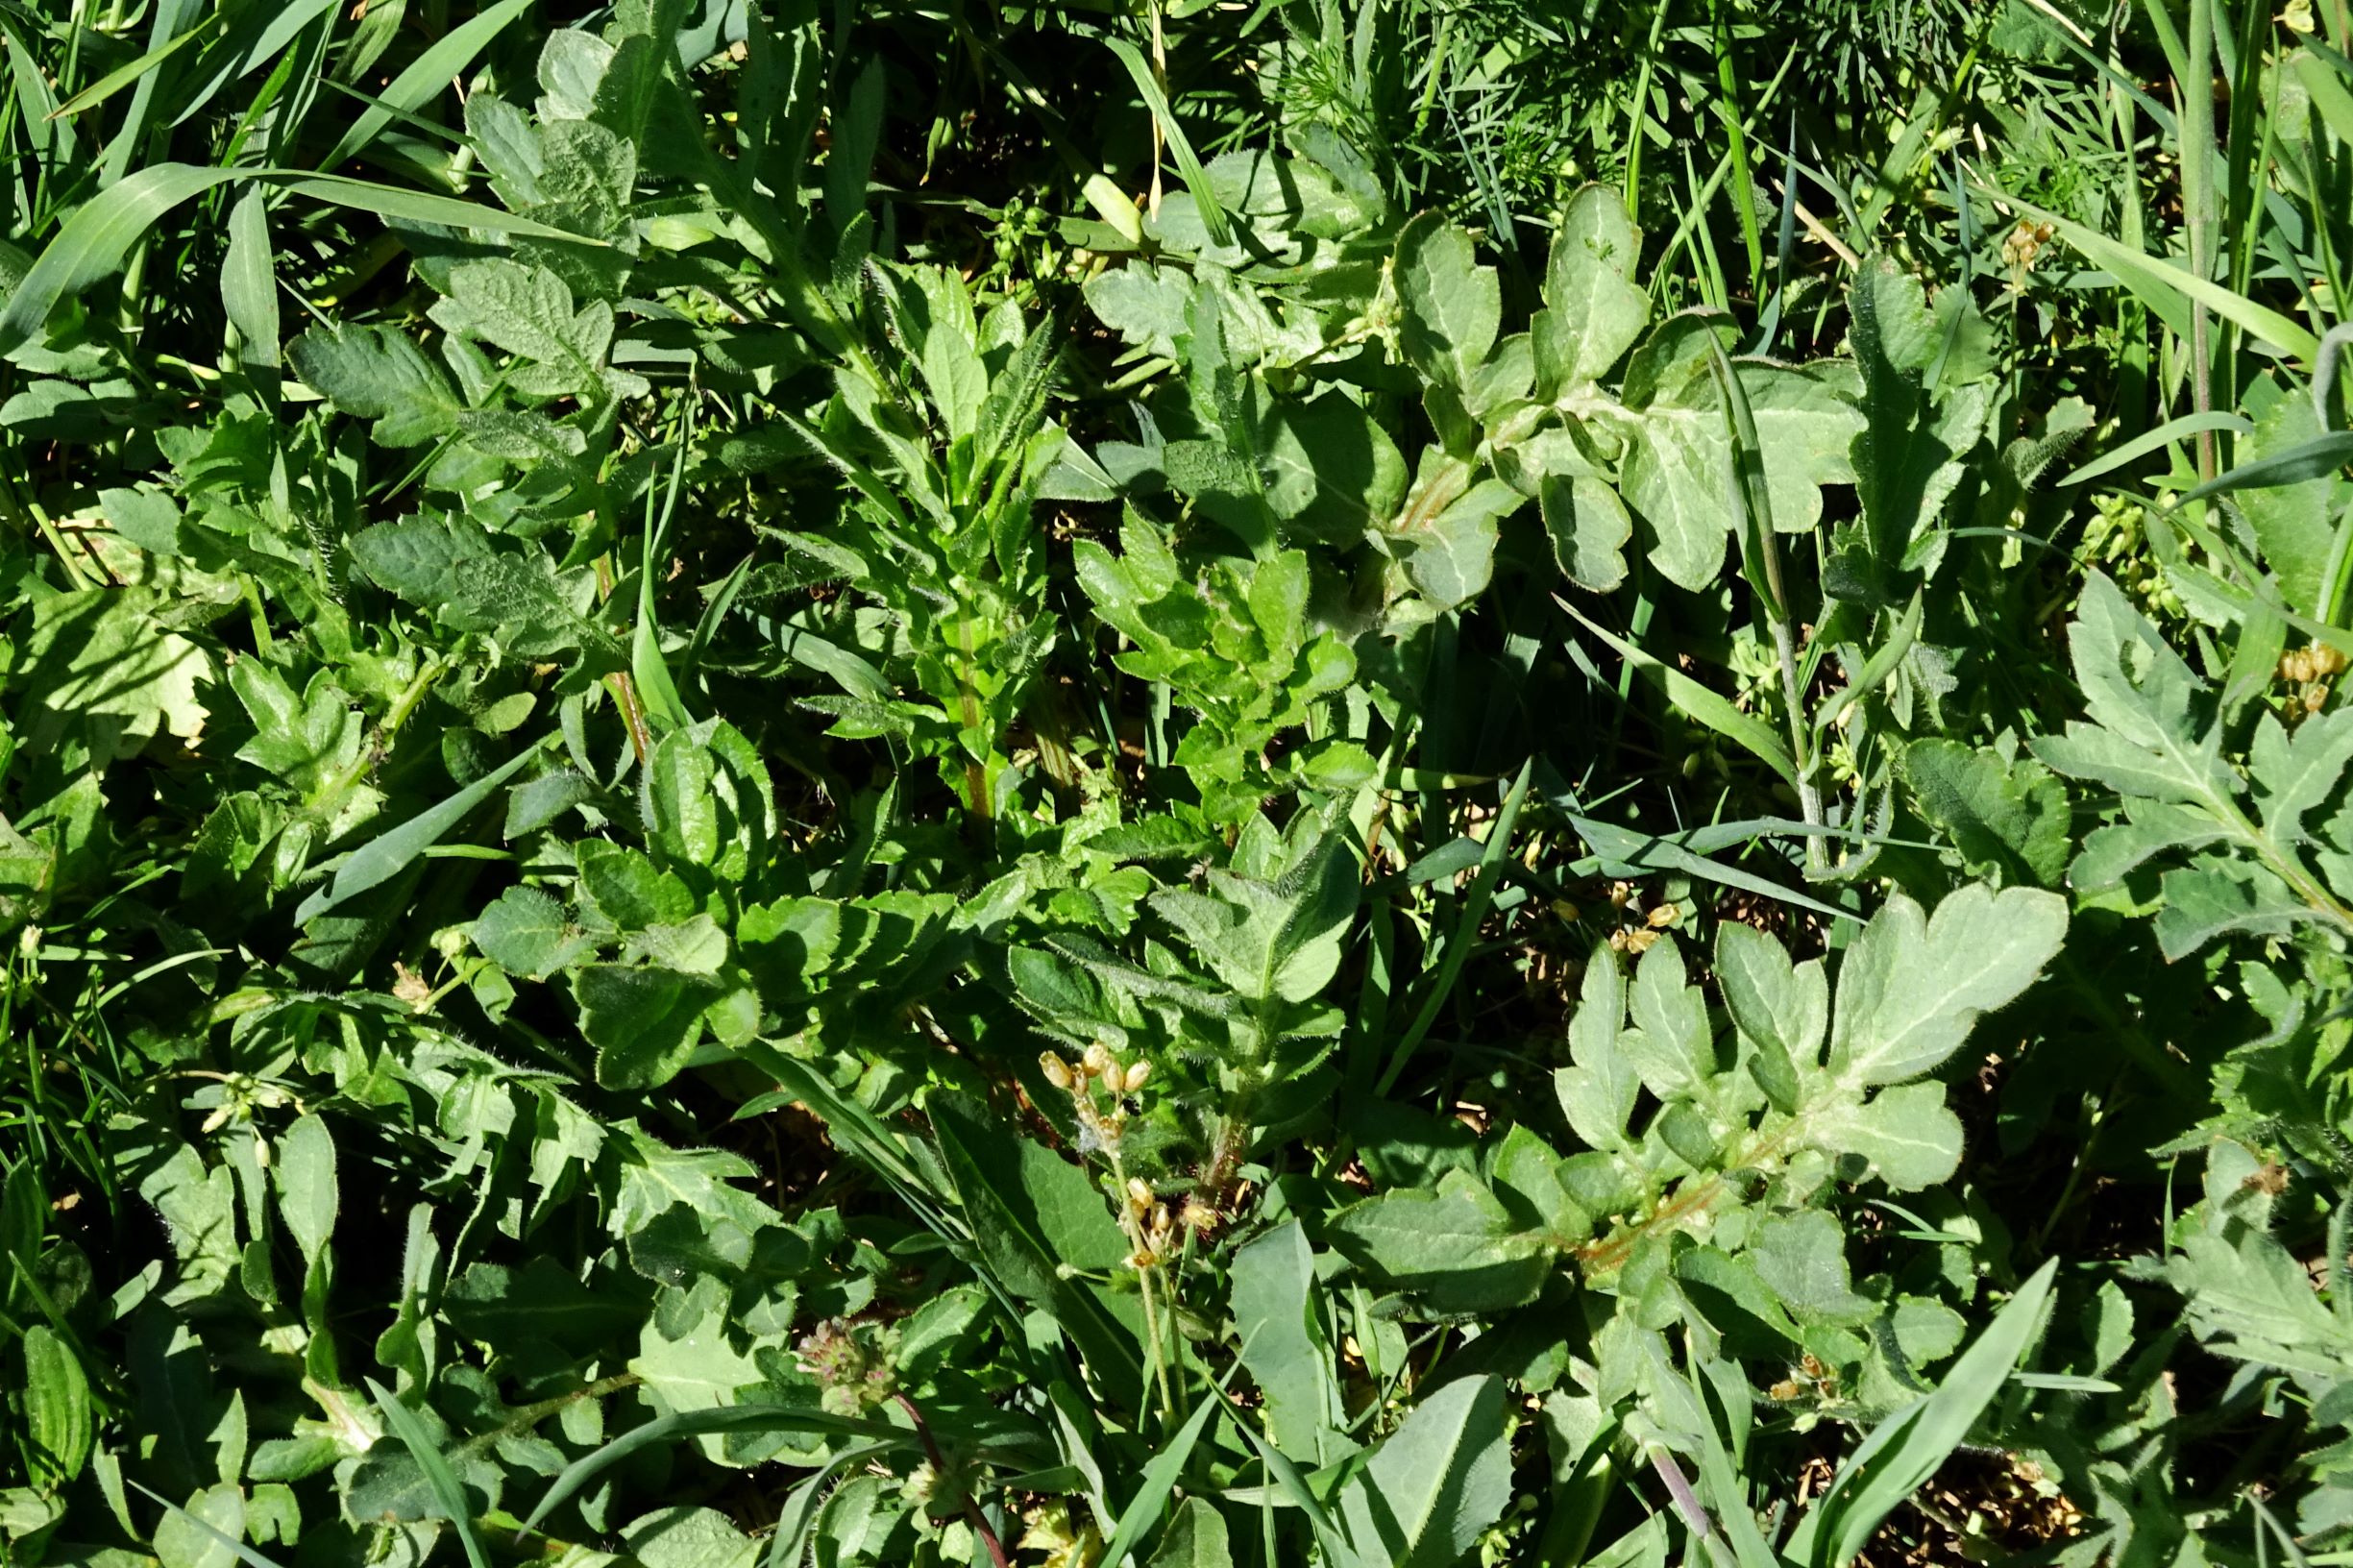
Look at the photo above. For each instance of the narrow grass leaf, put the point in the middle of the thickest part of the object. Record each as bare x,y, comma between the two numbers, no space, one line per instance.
244,1554
425,76
437,1472
1197,177
1900,1454
2313,460
1695,700
2170,290
1160,1478
2163,435
668,1429
386,856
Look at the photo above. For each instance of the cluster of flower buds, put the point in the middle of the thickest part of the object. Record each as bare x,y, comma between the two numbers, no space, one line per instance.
855,1368
1100,1125
2313,669
1150,1225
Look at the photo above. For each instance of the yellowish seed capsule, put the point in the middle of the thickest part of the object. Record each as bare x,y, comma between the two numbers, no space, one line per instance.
1665,915
1138,1195
1137,1073
1057,1072
1160,1219
1099,1060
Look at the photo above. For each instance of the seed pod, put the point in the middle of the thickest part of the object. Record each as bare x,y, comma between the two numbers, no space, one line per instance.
1137,1073
1057,1072
1099,1060
1138,1195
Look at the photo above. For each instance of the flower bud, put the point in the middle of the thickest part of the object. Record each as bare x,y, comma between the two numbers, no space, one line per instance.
1099,1060
1137,1073
1057,1072
1138,1195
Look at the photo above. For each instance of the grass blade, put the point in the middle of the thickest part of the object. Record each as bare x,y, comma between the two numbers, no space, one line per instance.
2169,290
245,1554
1197,177
1695,700
425,76
2314,459
385,857
2163,435
437,1472
1900,1454
697,1423
1159,1476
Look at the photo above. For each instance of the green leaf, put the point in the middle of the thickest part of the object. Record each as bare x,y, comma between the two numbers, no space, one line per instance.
1434,1486
471,582
528,311
2009,820
1912,986
1451,556
57,1427
1803,1257
377,373
1195,1538
1775,1002
1589,529
304,1171
1598,1092
1671,1045
1277,1323
98,664
643,1021
2295,517
1910,1137
1677,470
249,283
1034,1215
524,931
206,1534
2150,733
1456,1248
446,1492
1453,305
1593,310
1331,473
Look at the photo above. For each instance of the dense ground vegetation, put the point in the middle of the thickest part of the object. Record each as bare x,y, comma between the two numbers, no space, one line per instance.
1354,782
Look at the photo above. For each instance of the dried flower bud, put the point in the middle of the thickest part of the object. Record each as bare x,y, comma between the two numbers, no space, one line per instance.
1099,1060
1138,1195
1137,1073
1160,1219
1665,915
1057,1072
